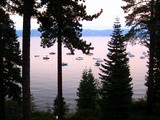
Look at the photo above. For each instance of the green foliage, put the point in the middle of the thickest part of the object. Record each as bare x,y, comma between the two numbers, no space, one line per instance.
156,85
138,111
55,107
33,106
10,62
11,71
40,115
139,105
13,110
116,80
144,19
85,114
87,91
138,13
143,117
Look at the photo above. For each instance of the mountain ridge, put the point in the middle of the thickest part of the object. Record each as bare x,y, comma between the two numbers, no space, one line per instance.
85,32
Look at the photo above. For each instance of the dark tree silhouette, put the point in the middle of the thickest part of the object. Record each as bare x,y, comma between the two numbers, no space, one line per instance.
55,107
116,80
27,6
27,12
87,91
10,62
60,22
143,18
26,9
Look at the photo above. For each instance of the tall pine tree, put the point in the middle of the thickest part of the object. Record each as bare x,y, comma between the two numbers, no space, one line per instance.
60,22
10,62
143,18
116,80
156,82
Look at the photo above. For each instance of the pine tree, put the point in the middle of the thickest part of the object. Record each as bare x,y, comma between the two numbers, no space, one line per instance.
10,62
87,91
144,19
116,80
55,107
60,22
156,88
26,9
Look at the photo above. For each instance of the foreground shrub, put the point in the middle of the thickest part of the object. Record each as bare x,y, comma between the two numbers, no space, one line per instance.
40,115
85,114
139,105
12,113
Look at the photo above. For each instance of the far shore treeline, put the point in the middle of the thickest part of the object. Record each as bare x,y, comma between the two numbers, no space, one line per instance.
85,32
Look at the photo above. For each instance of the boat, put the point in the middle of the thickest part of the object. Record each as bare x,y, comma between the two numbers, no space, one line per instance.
131,55
98,59
79,58
142,57
97,64
36,56
52,53
64,64
45,58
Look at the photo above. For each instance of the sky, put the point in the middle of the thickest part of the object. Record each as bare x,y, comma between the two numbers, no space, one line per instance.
111,10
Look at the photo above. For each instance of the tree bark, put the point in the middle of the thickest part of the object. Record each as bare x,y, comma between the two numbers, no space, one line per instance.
151,61
2,96
26,60
60,100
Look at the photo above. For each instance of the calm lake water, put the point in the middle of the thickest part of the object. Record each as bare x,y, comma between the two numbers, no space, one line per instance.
44,72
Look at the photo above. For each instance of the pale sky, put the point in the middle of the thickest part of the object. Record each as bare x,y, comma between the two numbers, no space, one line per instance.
111,9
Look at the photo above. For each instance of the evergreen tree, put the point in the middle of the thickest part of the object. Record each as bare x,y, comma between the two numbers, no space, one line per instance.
10,62
87,91
116,80
55,107
26,8
60,22
144,20
156,88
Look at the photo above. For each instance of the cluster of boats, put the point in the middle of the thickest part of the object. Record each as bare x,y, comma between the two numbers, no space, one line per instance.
46,57
97,63
98,60
144,55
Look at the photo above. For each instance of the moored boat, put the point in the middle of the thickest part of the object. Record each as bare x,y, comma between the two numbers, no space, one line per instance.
45,58
64,64
79,58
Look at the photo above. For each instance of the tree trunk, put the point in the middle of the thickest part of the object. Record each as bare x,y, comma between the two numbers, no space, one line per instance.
151,61
26,60
60,100
2,96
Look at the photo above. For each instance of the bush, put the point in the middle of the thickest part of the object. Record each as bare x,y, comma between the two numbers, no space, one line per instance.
40,115
85,114
139,105
12,113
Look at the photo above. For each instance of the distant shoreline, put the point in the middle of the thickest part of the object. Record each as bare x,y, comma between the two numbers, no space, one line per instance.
85,32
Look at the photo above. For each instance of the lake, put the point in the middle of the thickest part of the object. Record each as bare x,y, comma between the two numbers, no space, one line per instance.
44,72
